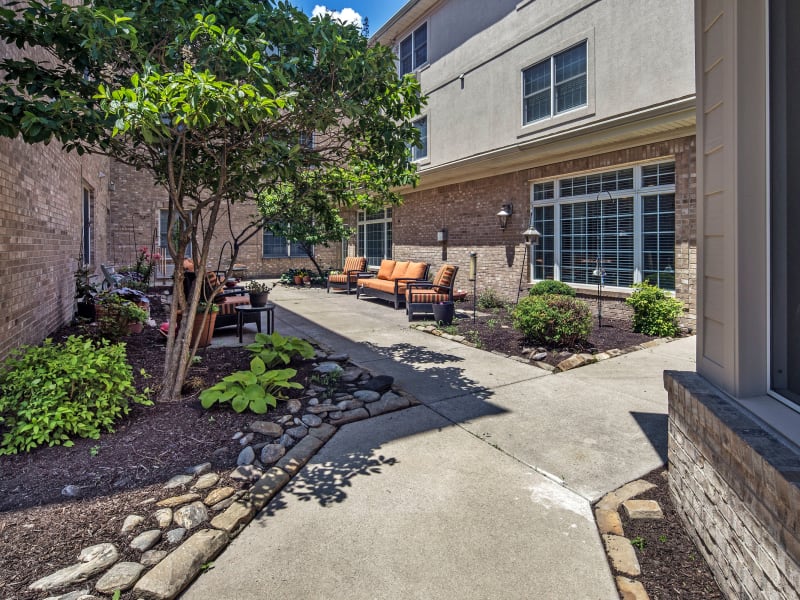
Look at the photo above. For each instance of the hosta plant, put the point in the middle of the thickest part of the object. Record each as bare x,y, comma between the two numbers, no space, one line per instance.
256,389
275,349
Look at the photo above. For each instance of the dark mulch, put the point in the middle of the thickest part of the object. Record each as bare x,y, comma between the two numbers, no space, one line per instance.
672,566
493,330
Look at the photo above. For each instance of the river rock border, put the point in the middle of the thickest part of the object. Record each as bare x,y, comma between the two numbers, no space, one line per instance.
535,356
199,515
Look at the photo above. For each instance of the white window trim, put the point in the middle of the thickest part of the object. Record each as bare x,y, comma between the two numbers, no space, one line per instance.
637,192
427,157
578,112
288,249
361,219
414,67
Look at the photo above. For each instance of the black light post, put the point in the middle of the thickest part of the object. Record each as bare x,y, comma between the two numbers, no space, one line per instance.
473,277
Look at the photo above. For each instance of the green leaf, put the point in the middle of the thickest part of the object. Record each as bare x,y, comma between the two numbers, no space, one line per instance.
257,366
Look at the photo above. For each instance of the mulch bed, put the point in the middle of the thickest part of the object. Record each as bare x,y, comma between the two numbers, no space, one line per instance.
41,530
493,330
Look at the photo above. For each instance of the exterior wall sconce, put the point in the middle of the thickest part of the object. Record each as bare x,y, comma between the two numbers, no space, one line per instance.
441,236
505,212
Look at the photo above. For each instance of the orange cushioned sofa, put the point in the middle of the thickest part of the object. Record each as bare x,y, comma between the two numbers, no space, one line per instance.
391,279
348,278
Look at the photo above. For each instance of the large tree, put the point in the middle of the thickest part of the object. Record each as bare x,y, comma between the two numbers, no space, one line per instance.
216,99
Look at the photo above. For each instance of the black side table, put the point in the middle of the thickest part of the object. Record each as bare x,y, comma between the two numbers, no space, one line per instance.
242,310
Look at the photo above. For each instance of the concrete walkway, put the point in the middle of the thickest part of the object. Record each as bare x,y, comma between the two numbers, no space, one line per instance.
483,491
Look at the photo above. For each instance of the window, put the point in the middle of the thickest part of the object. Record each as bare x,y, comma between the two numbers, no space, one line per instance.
163,225
277,246
622,222
86,225
421,151
375,235
414,50
555,85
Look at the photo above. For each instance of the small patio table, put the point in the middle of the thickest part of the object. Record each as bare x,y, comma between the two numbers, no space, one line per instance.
242,310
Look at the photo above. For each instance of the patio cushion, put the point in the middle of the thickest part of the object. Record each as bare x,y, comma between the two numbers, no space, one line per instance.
416,270
400,270
228,304
444,278
383,285
341,278
387,266
425,297
354,263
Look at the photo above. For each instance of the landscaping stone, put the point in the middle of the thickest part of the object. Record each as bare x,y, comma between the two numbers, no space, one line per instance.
191,516
152,557
320,409
246,439
339,357
271,453
544,365
351,374
298,432
130,523
200,469
169,577
574,361
287,441
71,491
324,432
246,457
236,516
298,456
367,396
293,406
178,481
146,540
538,356
608,521
630,589
379,383
76,595
311,420
163,517
92,560
120,577
327,368
223,504
335,414
612,500
174,536
388,403
178,500
622,555
270,484
349,404
245,473
643,509
206,481
349,416
218,495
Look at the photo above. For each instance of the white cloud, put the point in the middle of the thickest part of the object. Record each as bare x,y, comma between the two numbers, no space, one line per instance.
346,15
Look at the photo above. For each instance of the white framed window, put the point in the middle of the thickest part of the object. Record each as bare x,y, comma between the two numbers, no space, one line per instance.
277,246
413,50
163,232
87,207
555,85
620,223
374,238
420,152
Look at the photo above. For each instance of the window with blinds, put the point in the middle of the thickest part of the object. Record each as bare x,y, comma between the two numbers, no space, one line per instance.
555,85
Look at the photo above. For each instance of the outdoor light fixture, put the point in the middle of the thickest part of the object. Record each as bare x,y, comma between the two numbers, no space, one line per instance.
532,236
505,212
441,236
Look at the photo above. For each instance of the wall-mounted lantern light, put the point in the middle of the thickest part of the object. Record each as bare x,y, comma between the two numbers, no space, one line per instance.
505,212
441,236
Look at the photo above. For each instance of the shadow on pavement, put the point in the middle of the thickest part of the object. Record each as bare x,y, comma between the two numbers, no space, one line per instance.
654,426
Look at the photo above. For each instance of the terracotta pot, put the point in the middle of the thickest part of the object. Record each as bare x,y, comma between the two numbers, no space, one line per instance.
298,280
307,279
205,334
135,327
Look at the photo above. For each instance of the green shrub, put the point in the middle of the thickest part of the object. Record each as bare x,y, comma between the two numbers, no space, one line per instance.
553,320
489,299
654,313
550,286
53,392
115,314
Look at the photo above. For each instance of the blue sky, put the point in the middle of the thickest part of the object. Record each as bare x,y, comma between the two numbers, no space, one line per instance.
378,11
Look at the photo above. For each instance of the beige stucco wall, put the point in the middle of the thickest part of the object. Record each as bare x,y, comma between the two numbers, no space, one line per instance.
630,67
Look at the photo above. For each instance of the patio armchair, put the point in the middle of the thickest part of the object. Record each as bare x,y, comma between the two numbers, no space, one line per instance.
227,301
421,296
348,279
391,280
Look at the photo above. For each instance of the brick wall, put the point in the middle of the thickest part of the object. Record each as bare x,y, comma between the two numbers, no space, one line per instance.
467,210
737,489
41,197
135,206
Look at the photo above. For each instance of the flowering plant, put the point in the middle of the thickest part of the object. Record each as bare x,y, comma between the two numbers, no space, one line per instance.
145,262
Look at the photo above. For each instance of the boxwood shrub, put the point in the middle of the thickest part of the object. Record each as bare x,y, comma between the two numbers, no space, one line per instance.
53,392
553,320
654,312
550,286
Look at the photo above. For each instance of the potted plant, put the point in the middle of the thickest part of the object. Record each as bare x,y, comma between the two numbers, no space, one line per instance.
298,277
259,292
118,316
85,291
203,332
306,278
